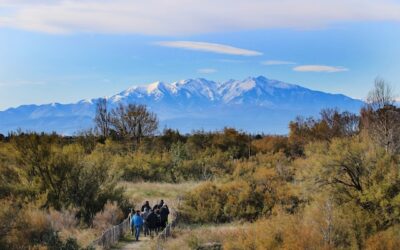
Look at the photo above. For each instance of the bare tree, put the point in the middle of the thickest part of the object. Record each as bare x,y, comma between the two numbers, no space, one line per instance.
382,94
133,121
381,117
102,118
340,124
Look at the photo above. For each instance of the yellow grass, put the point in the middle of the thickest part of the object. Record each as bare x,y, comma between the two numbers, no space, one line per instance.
154,191
192,236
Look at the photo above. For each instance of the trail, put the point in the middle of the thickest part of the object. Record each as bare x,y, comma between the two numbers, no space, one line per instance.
129,243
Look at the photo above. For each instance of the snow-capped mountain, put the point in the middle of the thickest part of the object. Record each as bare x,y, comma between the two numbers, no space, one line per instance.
255,104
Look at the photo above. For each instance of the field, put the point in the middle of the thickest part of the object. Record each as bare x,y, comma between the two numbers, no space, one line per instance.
193,236
140,192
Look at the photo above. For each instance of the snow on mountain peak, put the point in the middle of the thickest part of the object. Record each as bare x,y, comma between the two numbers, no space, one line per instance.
253,87
197,87
86,101
275,83
205,89
152,87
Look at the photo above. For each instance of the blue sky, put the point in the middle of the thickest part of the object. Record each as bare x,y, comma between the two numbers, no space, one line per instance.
64,51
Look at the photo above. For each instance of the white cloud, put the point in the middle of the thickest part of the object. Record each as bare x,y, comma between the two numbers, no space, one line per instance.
161,17
277,62
210,47
319,68
206,71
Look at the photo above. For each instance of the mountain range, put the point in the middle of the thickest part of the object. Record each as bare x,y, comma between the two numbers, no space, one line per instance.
255,104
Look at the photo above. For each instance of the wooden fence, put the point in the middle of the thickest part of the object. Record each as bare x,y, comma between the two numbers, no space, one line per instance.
167,232
111,236
115,233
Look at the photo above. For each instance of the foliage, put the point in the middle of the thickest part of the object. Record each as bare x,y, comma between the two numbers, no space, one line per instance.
333,182
255,189
331,124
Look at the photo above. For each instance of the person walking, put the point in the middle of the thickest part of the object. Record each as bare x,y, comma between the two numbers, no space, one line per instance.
146,205
164,212
137,221
158,205
158,227
152,222
145,224
130,217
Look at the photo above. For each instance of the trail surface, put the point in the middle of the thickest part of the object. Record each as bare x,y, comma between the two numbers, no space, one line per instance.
129,243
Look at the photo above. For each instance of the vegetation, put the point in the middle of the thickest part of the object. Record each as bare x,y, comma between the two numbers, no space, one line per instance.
333,182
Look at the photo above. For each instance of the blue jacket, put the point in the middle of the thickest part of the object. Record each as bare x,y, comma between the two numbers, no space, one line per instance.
137,221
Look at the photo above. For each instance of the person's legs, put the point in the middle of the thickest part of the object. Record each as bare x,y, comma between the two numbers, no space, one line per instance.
132,229
137,233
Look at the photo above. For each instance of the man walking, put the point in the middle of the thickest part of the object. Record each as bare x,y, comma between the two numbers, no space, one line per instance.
146,205
145,223
151,221
137,222
164,212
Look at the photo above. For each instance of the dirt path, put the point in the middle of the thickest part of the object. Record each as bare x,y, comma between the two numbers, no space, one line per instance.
129,243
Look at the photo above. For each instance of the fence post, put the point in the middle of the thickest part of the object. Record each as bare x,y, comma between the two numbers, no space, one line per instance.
112,235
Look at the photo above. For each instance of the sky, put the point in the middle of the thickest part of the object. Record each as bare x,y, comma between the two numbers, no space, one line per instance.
68,50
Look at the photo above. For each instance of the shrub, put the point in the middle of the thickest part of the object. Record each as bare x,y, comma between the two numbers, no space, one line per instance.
31,228
111,215
204,204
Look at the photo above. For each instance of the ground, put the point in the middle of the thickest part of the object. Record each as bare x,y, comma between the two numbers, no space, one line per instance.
129,243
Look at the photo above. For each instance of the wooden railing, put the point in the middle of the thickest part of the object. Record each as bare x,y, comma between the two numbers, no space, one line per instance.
111,236
115,233
167,232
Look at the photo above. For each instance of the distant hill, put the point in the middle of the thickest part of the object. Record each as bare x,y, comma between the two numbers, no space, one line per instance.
255,104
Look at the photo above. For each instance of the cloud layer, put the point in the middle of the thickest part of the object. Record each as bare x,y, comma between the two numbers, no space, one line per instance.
210,47
277,62
319,68
160,17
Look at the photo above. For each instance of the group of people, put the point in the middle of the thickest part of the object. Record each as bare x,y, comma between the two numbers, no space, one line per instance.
150,219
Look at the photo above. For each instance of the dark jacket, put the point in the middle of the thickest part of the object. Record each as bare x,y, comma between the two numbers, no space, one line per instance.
164,212
152,220
145,206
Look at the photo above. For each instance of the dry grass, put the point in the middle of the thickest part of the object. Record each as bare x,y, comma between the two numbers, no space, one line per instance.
110,216
154,192
190,237
67,225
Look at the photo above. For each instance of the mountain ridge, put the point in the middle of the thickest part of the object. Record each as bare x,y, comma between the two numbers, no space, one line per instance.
255,104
